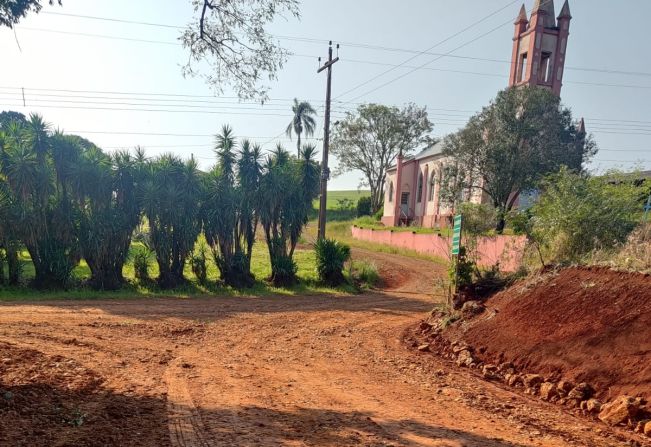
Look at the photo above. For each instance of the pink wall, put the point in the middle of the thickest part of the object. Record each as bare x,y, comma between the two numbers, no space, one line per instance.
505,249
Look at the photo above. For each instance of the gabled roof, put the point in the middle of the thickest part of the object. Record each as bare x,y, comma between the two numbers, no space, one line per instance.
429,151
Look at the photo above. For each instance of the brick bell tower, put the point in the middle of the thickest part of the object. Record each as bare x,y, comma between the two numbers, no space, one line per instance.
539,46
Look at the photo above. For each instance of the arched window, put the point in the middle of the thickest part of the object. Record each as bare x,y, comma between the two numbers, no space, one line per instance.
432,184
390,191
419,193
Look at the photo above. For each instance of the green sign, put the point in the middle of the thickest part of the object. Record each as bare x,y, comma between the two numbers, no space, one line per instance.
456,235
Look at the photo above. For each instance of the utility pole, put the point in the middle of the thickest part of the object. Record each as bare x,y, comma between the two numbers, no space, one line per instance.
325,171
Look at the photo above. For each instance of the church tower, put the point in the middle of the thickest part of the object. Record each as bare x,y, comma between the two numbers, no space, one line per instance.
539,46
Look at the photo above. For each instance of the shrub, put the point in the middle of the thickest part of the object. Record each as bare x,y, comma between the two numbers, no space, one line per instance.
345,204
634,255
331,255
364,206
461,270
366,273
366,221
283,271
198,264
378,215
477,219
142,257
577,214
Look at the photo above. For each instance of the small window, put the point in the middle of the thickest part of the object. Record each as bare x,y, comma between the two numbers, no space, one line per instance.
419,193
522,70
390,191
546,69
432,185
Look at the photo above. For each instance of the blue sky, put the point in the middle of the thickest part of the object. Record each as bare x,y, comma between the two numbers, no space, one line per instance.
608,80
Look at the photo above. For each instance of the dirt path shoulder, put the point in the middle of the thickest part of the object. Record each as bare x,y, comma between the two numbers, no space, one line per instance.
292,371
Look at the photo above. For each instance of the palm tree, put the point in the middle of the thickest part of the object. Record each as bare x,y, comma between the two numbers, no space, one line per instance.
302,121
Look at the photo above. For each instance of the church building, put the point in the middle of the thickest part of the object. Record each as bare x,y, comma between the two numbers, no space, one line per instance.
412,190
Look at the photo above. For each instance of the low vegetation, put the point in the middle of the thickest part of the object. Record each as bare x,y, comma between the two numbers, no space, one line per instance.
69,212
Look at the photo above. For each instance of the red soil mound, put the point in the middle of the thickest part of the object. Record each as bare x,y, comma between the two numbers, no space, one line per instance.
583,324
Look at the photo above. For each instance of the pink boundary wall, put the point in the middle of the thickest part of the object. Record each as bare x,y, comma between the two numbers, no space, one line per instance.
507,250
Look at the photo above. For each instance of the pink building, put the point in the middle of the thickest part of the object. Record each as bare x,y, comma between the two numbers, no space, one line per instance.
412,191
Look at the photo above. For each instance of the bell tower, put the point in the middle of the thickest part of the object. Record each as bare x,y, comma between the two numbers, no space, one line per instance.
540,45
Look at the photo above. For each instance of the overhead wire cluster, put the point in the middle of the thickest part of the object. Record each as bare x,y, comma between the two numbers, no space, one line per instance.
17,96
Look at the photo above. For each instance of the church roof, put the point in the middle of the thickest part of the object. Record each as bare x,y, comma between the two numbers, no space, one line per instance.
429,151
547,7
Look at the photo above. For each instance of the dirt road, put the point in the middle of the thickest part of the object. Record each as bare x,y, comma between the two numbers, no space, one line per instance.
271,371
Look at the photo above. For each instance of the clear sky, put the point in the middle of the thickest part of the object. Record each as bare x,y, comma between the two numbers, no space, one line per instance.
607,81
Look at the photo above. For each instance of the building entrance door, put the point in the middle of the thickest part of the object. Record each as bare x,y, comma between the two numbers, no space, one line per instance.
404,204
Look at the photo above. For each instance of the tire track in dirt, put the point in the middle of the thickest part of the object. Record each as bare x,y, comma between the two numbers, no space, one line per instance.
184,422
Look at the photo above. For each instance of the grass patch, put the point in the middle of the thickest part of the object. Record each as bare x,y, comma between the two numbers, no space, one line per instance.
365,273
260,266
341,230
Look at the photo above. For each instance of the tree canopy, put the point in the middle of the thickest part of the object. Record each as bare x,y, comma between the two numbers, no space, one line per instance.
521,136
370,139
11,11
231,38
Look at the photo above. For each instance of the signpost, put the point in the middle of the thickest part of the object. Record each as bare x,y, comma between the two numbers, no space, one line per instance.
456,235
456,247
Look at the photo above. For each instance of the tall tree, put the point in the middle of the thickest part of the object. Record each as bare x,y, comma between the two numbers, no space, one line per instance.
169,195
302,121
370,139
105,188
521,136
287,187
47,218
229,208
231,37
11,11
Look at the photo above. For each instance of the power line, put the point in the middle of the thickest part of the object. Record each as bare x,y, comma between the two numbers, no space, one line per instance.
483,19
321,41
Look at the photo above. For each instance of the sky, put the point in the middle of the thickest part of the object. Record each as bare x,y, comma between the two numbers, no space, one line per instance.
121,85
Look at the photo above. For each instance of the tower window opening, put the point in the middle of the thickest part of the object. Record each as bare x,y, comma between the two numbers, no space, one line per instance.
546,69
523,67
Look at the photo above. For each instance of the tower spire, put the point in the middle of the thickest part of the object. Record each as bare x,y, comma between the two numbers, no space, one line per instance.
522,17
565,11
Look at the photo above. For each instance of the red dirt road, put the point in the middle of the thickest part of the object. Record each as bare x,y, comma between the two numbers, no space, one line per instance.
312,370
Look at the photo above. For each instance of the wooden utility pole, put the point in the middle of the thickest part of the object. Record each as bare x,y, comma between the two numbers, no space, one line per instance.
325,171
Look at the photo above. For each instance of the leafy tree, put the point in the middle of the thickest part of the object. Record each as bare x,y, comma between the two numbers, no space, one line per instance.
370,140
523,135
364,207
169,195
302,120
287,188
46,218
231,37
9,116
228,210
11,11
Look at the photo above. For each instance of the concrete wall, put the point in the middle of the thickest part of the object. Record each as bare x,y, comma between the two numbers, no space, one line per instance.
507,250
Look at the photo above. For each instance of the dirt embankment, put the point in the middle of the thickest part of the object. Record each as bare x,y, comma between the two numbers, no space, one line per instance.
583,324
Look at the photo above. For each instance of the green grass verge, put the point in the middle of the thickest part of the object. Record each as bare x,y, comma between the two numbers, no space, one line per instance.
260,266
341,230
